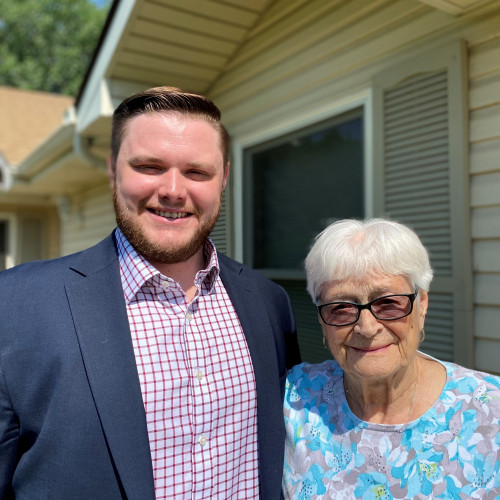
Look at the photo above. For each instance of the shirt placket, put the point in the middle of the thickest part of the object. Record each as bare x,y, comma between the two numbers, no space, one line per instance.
202,443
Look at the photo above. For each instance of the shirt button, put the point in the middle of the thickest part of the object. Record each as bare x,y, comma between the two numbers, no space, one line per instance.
165,283
189,316
199,375
203,440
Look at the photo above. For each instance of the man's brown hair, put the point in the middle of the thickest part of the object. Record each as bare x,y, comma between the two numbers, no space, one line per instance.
166,99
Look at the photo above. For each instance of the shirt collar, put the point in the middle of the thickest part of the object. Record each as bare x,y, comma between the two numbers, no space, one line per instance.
135,270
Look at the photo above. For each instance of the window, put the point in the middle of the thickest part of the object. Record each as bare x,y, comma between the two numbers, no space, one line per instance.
295,186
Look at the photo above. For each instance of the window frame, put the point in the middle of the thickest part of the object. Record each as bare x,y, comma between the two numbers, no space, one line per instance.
11,238
274,130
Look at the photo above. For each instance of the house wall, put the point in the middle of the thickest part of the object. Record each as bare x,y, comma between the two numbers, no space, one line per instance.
484,107
91,219
34,232
305,55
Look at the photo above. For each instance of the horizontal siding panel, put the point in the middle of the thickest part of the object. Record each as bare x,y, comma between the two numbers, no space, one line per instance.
485,92
485,222
486,287
486,321
486,256
485,156
485,124
93,219
485,189
174,36
484,59
321,64
275,41
277,11
487,356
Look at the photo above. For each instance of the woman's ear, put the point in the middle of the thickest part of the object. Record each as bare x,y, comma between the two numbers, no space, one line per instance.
422,307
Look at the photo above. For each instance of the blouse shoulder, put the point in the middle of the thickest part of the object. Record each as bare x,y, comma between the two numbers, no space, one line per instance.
306,381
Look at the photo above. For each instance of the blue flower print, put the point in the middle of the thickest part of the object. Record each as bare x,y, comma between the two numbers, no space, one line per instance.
373,486
312,483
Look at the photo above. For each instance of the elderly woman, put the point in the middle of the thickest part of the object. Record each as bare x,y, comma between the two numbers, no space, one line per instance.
383,420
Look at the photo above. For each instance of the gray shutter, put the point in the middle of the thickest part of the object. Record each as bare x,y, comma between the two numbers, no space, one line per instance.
220,234
30,238
420,171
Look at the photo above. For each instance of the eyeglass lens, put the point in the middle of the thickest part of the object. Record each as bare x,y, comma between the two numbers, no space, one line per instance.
343,313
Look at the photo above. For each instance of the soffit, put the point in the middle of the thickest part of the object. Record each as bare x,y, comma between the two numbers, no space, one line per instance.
185,44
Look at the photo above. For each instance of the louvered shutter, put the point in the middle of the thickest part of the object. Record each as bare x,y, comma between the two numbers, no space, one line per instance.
420,171
31,238
220,234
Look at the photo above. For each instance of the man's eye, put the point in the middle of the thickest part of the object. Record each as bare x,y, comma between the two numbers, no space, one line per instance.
197,173
147,168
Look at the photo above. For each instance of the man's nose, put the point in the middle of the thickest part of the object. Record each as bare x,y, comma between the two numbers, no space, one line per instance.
172,185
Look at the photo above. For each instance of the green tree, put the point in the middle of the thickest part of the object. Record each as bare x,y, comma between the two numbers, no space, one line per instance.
48,44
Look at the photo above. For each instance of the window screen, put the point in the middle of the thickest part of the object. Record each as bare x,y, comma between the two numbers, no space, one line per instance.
294,187
297,185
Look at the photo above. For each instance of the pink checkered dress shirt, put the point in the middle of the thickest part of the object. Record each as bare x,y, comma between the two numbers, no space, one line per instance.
197,381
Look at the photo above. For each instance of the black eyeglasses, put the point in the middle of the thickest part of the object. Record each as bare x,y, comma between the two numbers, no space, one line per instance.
386,308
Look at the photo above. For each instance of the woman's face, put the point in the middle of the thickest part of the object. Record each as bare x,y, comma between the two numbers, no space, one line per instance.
371,347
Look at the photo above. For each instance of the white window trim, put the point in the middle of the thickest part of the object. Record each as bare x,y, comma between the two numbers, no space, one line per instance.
314,115
12,238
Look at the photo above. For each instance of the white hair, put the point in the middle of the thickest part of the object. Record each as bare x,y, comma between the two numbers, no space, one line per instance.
354,249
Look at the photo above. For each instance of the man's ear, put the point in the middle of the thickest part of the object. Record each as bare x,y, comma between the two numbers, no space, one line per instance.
111,172
226,174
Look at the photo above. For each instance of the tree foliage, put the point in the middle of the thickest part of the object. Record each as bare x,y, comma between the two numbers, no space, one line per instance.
48,44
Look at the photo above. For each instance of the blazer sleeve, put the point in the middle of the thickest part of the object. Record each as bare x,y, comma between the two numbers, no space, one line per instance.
9,438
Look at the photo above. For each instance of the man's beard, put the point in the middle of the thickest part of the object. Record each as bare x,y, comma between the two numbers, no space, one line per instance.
156,253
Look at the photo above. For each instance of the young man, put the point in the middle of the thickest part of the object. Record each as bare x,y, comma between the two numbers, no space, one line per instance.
148,366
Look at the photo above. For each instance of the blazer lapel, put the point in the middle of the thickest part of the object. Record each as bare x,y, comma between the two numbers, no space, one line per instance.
100,318
258,328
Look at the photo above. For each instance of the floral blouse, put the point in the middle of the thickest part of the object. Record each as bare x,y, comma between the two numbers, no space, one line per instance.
452,451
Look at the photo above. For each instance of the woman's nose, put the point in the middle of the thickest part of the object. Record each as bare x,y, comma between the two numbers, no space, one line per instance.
367,324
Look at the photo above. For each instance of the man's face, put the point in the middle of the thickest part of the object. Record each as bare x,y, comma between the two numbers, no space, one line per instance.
167,185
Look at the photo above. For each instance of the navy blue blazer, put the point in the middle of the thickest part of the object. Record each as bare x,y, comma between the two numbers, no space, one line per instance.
72,420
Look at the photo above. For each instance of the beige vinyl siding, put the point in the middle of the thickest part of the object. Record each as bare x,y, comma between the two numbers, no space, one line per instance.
484,99
91,219
303,56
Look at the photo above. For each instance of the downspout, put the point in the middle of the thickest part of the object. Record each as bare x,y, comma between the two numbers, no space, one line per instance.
5,175
81,148
82,145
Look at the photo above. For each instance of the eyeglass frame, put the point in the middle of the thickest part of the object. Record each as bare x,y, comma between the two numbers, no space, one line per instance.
368,305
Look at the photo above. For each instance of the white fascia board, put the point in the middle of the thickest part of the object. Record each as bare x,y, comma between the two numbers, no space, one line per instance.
61,140
95,100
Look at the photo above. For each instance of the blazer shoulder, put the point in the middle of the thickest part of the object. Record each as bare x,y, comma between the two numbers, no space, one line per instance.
230,265
62,268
